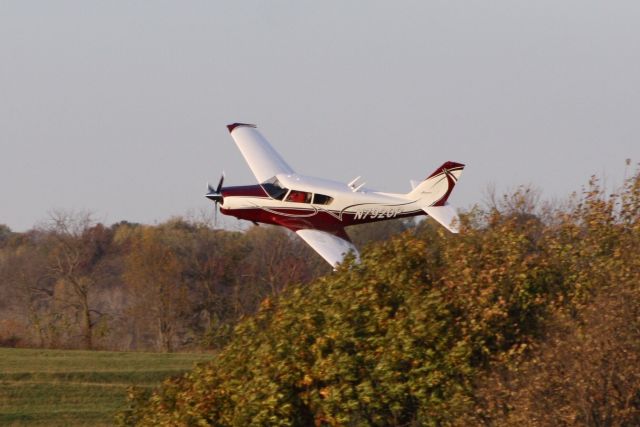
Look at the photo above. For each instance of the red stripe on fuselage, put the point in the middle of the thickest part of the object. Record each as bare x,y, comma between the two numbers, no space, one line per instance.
303,218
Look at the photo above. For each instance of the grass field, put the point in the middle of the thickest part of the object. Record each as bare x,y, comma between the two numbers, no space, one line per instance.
75,388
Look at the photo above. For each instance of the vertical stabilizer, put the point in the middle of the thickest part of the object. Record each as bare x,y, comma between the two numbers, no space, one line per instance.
432,194
436,189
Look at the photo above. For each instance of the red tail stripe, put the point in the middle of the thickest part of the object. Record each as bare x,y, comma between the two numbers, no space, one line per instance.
446,166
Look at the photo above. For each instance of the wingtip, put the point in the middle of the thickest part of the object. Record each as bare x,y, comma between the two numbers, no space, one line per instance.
232,126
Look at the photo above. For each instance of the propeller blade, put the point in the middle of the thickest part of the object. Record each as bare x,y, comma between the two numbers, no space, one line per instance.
220,183
215,194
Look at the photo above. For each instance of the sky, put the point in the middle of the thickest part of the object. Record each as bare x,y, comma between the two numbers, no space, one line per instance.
119,108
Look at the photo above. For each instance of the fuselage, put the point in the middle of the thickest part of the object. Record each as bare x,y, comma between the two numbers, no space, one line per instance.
301,202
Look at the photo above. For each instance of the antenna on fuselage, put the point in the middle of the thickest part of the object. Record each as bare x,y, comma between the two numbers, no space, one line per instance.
356,185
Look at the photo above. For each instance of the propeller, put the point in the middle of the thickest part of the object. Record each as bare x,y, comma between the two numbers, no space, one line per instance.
215,194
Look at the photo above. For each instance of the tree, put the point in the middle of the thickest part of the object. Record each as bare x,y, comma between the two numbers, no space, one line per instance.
159,294
77,245
584,374
5,232
584,371
213,263
26,290
277,260
377,231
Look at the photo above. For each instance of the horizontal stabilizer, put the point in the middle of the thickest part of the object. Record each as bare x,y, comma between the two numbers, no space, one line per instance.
446,215
331,247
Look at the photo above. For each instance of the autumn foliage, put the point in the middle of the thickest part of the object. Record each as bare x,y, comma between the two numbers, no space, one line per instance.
531,316
177,286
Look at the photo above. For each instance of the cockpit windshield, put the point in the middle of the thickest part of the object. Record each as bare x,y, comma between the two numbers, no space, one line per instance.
274,189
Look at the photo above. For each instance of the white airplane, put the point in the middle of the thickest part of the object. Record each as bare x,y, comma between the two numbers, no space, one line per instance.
317,209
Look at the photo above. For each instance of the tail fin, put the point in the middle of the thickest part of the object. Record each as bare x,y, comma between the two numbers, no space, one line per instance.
432,194
436,189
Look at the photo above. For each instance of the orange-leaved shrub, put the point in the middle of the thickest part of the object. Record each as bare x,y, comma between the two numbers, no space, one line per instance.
528,316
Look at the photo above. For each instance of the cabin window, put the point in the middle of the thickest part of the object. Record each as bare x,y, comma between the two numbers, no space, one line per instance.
274,189
321,199
299,196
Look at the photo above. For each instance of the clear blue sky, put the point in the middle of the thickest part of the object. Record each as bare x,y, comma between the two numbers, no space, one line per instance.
120,107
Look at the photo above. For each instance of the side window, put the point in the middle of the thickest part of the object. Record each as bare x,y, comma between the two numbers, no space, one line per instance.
299,196
321,199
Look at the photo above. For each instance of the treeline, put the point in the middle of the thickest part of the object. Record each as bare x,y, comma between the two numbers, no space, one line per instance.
530,316
178,286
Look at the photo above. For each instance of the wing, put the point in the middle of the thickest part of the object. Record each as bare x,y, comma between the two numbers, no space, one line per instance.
331,247
263,160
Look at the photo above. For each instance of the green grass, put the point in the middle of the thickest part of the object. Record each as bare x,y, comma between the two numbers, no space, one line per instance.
74,388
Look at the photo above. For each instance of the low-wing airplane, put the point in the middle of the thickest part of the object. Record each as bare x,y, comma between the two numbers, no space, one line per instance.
319,209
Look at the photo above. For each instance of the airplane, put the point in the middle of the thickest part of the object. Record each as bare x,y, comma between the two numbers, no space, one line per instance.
317,209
